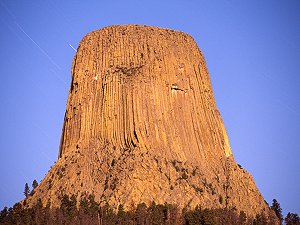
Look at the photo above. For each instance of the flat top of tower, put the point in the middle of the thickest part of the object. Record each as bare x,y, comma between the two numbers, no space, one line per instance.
139,28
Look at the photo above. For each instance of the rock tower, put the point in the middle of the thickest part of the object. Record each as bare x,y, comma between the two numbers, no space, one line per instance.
142,125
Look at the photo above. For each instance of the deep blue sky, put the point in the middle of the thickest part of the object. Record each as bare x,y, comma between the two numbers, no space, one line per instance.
253,55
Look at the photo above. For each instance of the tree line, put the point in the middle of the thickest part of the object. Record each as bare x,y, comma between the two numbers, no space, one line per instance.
89,212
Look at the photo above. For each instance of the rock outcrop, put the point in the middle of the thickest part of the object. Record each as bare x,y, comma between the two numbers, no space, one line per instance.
142,125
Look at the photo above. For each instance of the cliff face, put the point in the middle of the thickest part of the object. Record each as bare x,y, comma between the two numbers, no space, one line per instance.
142,125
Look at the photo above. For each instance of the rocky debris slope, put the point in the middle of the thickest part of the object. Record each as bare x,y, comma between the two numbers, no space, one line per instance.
142,125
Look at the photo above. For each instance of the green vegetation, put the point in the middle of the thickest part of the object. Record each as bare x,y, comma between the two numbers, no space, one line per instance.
89,212
34,184
26,190
292,219
277,209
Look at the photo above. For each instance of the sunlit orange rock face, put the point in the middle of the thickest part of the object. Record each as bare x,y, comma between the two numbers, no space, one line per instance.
142,125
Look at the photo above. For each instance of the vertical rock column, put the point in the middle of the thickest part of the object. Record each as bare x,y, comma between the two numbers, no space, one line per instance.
147,87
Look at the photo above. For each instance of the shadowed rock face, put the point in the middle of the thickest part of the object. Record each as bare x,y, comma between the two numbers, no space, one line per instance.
142,125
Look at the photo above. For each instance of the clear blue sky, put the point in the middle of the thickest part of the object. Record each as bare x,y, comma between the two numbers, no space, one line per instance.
252,51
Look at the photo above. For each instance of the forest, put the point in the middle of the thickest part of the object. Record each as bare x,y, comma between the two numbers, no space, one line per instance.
88,212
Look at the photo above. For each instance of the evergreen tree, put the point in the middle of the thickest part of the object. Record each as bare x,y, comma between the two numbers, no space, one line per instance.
141,214
260,219
16,213
122,215
3,214
277,209
38,210
84,205
93,205
292,219
26,190
156,214
68,206
242,217
72,206
34,184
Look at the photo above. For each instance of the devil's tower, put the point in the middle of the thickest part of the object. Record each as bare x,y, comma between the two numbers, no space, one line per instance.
142,125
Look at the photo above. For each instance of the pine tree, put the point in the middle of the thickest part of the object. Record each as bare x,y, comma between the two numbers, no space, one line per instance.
277,209
34,184
3,215
93,205
141,214
26,190
121,215
292,219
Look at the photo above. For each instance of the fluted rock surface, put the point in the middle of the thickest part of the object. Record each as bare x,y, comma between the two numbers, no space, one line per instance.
142,125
